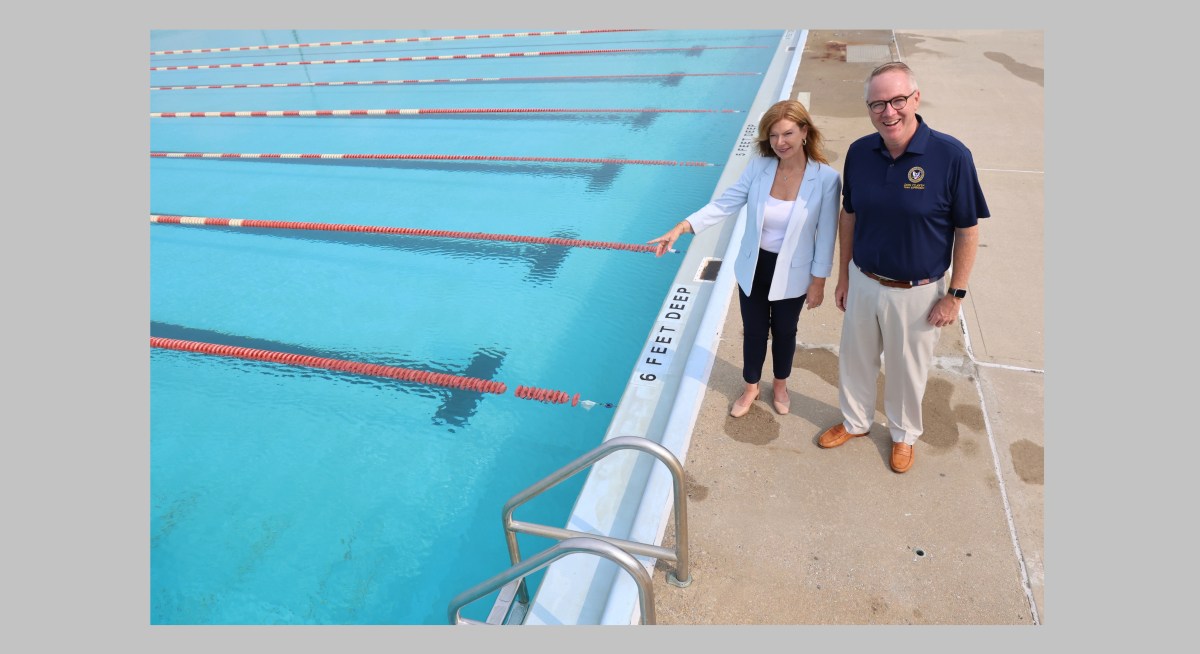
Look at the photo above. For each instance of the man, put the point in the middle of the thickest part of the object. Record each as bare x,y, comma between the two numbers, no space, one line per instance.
911,202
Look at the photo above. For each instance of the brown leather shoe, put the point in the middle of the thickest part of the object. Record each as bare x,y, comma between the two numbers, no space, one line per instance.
836,435
902,456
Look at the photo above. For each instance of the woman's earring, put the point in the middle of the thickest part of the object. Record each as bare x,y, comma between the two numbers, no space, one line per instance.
804,142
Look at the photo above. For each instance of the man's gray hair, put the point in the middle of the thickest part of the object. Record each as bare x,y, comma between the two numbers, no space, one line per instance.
888,67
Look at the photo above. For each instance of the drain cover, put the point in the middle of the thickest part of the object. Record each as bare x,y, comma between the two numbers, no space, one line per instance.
868,54
708,270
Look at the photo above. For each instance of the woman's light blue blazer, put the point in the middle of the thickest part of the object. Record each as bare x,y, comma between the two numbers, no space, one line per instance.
807,249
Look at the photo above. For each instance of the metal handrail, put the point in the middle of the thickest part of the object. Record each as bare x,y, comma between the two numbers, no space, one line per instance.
590,545
680,577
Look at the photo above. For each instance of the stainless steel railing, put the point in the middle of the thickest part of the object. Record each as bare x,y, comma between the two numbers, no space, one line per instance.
548,556
680,577
512,581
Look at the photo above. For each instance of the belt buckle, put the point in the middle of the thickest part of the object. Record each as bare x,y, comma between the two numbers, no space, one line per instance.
889,280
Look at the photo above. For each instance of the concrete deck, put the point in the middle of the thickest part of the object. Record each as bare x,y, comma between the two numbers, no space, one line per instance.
783,532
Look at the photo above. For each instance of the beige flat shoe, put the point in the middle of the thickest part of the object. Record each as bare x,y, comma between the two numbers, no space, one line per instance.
738,410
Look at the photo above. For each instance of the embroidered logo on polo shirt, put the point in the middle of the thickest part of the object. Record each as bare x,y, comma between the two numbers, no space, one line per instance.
916,178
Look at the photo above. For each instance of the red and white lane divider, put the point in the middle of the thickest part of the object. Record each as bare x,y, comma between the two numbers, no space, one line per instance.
546,395
340,365
413,39
318,113
402,231
423,157
444,380
487,55
448,80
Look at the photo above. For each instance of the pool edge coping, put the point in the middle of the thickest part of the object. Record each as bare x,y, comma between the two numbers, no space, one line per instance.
588,590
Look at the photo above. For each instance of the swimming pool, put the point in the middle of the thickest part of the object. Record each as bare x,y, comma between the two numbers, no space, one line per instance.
284,494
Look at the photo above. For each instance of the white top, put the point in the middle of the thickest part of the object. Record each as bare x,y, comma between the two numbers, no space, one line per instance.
775,220
808,242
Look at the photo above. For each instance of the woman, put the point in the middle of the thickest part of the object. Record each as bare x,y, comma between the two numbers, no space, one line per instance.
791,195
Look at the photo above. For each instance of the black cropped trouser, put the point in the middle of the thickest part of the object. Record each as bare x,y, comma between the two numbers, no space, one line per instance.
761,317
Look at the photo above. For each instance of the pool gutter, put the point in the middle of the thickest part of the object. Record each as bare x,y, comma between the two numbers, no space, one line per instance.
628,495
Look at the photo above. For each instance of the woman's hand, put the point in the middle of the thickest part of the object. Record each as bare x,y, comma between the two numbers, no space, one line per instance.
667,241
816,293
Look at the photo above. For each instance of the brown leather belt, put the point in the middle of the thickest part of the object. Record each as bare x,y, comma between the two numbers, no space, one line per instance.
895,283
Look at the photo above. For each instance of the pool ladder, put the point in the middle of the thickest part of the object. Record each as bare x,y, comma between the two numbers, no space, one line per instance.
512,604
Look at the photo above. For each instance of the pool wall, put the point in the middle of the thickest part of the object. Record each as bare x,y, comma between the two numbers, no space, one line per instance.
629,494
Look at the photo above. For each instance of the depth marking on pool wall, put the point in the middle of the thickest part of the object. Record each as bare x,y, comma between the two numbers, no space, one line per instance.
746,142
663,342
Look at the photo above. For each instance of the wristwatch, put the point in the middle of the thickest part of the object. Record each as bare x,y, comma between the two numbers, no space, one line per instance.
957,292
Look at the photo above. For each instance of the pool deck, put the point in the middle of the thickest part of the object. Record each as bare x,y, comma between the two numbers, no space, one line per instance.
785,533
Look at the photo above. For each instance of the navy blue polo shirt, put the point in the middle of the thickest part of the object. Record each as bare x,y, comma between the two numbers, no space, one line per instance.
906,209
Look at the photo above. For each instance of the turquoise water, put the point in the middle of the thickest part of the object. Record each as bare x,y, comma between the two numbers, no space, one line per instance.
285,495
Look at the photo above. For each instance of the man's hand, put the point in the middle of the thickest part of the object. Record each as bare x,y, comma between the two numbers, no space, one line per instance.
945,311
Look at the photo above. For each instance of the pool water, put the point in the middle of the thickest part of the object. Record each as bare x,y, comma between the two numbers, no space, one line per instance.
290,495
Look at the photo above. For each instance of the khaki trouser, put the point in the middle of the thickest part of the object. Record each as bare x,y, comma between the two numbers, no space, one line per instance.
892,322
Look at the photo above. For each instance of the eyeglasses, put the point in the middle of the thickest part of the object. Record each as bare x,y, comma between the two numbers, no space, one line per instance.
897,103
